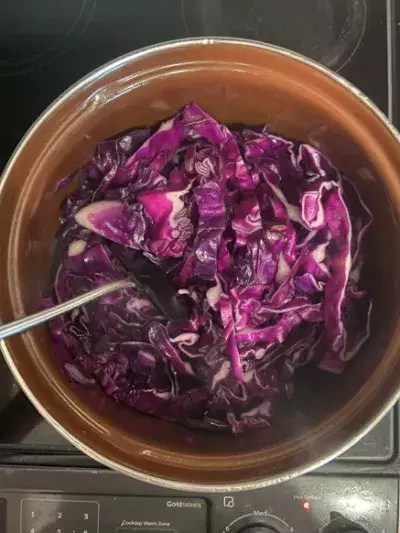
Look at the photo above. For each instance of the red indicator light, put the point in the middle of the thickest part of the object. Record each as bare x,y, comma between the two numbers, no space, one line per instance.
306,505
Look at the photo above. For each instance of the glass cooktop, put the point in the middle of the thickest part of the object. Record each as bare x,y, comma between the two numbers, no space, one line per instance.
47,45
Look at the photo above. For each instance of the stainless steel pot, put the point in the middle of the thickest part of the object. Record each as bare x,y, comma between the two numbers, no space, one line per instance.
237,81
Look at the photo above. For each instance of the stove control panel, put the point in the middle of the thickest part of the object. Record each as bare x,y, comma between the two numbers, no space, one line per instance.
310,504
39,515
74,514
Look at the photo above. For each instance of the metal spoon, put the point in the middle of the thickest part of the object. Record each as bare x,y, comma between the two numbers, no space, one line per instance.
18,326
166,301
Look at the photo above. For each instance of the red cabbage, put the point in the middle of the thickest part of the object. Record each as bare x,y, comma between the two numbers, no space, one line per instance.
263,234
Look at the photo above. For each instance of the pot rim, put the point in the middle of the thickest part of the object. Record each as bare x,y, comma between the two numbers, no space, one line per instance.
94,75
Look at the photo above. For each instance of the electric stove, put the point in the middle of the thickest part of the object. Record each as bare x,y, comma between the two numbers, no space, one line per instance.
46,485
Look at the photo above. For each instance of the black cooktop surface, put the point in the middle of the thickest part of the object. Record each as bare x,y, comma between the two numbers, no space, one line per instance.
47,45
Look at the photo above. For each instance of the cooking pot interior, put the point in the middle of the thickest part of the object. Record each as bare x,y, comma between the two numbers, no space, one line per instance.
241,85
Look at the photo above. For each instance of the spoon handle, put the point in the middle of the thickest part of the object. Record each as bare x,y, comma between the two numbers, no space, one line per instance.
18,326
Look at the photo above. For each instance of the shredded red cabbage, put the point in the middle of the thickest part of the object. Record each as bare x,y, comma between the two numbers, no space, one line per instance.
254,228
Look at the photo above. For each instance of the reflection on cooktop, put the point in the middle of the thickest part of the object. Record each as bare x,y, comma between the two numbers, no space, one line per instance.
35,33
22,430
328,31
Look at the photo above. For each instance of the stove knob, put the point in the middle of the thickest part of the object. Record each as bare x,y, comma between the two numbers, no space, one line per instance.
268,524
340,524
258,529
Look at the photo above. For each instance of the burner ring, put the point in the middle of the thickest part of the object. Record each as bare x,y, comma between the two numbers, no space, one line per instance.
70,21
327,31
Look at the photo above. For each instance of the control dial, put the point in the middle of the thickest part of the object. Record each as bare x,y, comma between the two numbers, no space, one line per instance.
340,524
258,529
253,524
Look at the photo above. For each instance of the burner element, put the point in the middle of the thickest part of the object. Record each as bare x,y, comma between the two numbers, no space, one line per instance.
328,31
35,33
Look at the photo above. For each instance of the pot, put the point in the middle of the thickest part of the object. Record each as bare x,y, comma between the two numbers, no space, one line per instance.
242,82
